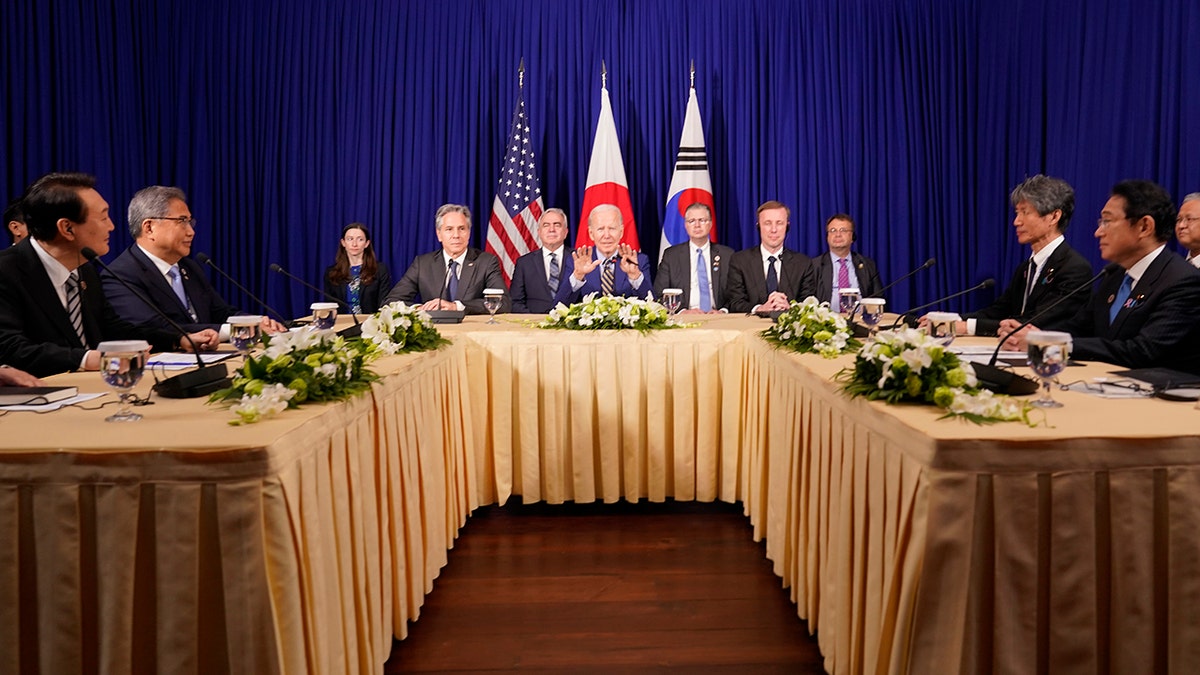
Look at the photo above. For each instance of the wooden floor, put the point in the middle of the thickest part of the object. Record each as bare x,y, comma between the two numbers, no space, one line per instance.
621,588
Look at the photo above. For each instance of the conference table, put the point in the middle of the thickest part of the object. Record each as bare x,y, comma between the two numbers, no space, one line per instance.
307,541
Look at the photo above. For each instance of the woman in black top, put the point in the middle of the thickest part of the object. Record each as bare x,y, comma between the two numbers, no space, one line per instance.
356,277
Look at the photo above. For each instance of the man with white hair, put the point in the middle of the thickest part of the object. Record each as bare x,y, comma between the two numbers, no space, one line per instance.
610,267
1187,227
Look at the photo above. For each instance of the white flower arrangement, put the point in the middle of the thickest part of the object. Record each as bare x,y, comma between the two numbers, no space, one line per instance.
272,401
812,326
609,312
399,328
907,365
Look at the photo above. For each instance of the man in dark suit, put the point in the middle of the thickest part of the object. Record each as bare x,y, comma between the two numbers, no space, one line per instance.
157,266
52,308
455,276
842,268
1043,207
539,276
1146,317
697,266
610,267
768,277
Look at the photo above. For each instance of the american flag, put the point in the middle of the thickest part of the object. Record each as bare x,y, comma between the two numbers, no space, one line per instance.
512,230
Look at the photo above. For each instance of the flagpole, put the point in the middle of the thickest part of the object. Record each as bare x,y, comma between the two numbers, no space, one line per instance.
603,75
692,76
521,74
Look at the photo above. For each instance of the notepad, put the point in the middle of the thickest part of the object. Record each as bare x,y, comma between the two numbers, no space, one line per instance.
35,395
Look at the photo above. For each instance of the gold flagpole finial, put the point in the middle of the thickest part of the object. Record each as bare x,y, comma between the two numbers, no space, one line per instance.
521,74
692,77
603,75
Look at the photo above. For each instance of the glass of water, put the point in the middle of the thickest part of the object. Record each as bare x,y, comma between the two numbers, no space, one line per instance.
941,326
324,314
122,363
492,298
672,299
1049,352
244,332
848,299
872,312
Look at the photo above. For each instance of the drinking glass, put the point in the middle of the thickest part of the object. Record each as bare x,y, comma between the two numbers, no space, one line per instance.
941,326
244,332
848,299
1048,355
872,312
324,314
122,363
491,302
672,299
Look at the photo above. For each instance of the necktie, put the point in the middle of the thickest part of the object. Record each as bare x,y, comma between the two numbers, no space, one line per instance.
452,283
1030,277
702,282
555,271
607,277
772,276
75,306
177,286
1122,295
843,280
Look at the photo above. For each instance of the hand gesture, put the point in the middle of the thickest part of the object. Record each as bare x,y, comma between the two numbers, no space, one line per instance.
583,262
629,262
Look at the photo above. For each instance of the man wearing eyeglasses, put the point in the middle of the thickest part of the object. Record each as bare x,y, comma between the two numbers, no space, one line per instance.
1143,315
158,266
53,312
842,268
697,266
1187,227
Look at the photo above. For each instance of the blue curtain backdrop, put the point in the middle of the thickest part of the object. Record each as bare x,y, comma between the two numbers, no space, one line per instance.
286,119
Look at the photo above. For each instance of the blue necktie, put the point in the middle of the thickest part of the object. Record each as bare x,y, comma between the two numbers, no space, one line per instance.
452,283
177,286
1122,295
772,276
702,282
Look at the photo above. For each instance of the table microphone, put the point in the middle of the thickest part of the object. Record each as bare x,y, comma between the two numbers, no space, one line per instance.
205,260
924,266
446,315
349,331
204,380
986,283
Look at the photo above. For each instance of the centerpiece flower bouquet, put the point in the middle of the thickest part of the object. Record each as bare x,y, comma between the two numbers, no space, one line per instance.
812,327
609,312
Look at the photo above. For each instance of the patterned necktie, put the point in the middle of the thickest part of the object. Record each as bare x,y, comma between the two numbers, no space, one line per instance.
177,286
1030,277
1122,295
772,276
843,280
75,306
452,283
702,282
555,271
607,277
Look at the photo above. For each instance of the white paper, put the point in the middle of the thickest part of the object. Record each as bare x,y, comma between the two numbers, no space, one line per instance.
47,407
183,361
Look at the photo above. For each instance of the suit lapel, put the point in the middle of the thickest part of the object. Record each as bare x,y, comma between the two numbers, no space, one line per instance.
160,290
44,295
1137,298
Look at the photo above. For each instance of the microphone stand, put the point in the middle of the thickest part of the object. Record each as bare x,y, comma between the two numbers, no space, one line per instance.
351,331
205,260
986,283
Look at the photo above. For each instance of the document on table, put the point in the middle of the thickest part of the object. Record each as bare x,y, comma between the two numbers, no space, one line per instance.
49,407
983,354
183,361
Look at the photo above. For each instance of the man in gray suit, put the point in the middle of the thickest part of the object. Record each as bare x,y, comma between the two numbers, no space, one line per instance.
697,266
455,276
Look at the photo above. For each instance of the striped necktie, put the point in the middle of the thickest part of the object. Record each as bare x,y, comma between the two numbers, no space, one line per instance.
75,306
555,271
607,277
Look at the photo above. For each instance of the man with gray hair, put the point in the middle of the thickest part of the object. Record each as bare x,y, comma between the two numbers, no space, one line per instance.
539,276
1043,207
158,267
455,276
1187,227
610,267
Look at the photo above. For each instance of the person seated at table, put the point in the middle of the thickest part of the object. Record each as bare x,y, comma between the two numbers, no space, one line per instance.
455,276
610,267
13,377
1187,227
1042,208
356,277
843,268
697,266
1142,315
537,282
768,277
53,311
14,222
157,266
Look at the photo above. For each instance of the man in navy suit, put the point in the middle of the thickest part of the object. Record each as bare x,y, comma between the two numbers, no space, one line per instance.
697,266
842,268
609,268
53,312
539,276
157,266
1146,316
768,277
455,276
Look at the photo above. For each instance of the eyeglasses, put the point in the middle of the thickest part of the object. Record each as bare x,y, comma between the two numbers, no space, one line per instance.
698,221
838,230
185,221
1105,223
1187,221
